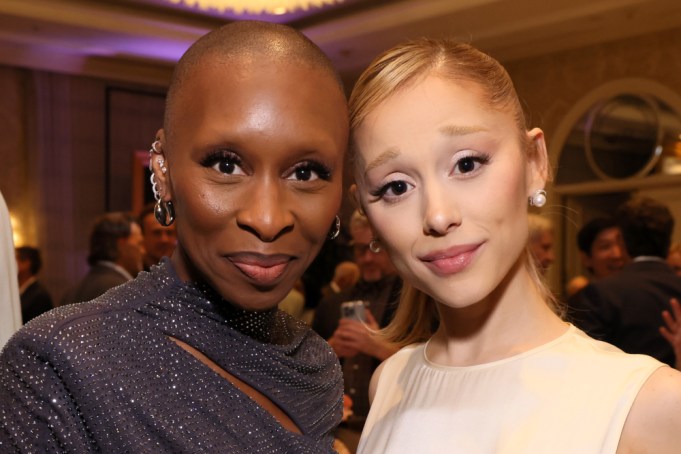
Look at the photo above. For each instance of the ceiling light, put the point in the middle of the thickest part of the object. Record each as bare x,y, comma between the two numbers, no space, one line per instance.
257,6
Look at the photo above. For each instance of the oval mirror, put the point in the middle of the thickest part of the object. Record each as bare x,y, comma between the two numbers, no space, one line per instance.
623,136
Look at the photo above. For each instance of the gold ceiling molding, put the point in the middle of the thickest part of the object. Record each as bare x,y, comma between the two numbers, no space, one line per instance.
257,6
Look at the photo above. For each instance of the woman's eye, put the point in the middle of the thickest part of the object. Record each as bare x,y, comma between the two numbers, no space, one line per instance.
229,167
310,171
392,190
397,188
469,164
225,162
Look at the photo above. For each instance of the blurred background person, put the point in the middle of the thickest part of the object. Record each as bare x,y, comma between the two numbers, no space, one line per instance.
350,331
10,306
625,308
601,250
540,241
674,258
35,299
159,240
116,252
345,276
294,302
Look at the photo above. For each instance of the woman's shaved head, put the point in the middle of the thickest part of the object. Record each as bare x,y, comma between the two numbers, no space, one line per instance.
246,43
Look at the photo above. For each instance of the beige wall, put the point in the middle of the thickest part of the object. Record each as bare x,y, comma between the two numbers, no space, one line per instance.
551,85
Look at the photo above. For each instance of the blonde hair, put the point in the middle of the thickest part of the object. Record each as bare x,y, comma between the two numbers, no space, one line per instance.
416,316
538,225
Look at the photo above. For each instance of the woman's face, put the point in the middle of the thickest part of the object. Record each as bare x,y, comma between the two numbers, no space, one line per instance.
254,158
445,183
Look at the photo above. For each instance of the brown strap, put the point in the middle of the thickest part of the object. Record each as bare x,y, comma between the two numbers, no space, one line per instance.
251,392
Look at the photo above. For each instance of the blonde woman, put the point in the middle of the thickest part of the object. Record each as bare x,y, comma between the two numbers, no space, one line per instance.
445,169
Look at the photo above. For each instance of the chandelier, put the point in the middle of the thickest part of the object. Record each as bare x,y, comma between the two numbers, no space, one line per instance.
257,6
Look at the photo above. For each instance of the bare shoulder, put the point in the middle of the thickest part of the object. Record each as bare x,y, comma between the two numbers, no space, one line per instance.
654,422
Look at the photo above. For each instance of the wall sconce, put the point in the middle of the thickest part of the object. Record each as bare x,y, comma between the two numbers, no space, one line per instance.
17,232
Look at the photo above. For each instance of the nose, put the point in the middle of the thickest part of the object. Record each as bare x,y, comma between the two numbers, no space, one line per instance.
267,213
441,213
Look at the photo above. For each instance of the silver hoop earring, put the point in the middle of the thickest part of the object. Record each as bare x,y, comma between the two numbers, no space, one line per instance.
538,199
335,230
155,149
154,188
374,246
164,212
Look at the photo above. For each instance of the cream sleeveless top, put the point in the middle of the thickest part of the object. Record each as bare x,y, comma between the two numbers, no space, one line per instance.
571,395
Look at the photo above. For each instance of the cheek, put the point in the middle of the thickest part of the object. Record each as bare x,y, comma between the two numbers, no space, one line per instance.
199,207
502,198
396,241
315,213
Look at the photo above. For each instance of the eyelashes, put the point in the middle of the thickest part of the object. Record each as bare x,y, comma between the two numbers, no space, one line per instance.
311,170
224,161
465,167
230,163
470,163
397,188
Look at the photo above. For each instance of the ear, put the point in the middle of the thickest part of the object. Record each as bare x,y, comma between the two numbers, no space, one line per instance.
586,260
157,156
537,161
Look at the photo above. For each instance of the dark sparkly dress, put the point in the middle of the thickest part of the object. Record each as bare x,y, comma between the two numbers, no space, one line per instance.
104,376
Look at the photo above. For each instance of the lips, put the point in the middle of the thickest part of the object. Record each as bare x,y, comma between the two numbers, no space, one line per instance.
452,260
262,269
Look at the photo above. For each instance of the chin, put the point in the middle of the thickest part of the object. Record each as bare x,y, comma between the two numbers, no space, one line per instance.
255,300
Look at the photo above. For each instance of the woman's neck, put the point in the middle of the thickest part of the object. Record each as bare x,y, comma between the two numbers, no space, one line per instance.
512,319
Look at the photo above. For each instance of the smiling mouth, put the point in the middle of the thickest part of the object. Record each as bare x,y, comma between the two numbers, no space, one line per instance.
263,270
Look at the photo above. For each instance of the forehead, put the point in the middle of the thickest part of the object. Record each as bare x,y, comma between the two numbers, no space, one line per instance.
607,234
216,92
436,101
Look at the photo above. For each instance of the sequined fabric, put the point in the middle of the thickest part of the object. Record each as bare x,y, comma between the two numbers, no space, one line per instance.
104,376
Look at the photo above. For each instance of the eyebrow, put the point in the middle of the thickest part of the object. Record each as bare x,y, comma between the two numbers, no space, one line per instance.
387,155
448,130
456,130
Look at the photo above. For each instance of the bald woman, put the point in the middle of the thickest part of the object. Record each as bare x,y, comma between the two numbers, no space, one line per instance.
194,356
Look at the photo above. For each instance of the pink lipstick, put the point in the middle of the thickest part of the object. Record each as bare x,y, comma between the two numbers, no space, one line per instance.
263,269
452,260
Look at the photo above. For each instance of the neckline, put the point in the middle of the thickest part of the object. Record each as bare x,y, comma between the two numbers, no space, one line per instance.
497,363
270,326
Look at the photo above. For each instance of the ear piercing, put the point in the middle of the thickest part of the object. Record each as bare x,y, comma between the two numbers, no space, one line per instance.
335,230
163,211
538,199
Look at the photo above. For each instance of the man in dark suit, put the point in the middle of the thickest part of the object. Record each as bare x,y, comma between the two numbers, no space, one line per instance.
625,309
116,253
34,297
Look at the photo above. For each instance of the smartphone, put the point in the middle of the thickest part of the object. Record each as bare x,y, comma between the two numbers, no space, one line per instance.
354,309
